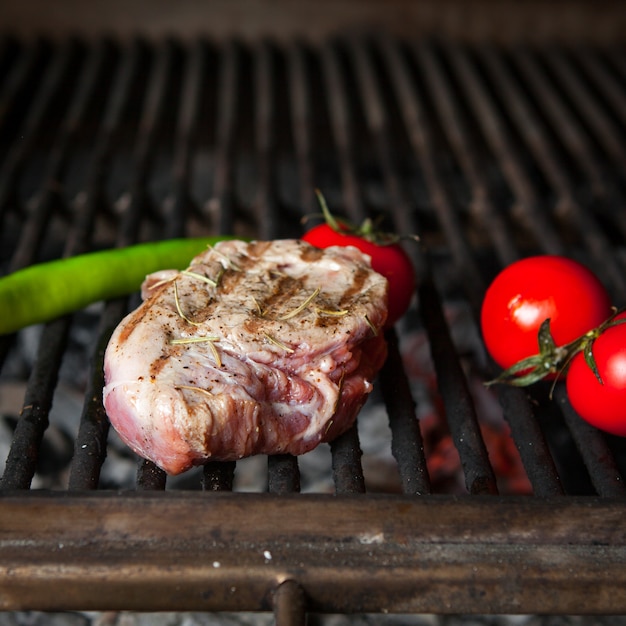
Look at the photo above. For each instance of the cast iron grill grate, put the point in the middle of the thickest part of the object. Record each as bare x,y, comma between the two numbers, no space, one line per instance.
489,153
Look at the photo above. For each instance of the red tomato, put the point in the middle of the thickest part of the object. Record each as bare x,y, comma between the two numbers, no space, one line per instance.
532,290
601,404
390,260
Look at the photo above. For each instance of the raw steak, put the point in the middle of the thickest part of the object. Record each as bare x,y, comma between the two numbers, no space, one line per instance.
262,347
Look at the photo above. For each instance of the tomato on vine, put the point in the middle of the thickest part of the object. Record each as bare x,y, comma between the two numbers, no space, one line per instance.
387,256
548,316
530,292
596,379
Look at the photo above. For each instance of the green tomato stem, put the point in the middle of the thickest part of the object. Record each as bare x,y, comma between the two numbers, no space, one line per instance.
553,359
368,230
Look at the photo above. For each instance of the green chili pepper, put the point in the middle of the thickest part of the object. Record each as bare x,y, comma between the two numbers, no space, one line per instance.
45,291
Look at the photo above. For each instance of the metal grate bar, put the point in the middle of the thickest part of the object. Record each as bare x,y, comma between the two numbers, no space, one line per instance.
283,471
289,604
346,450
457,129
34,420
180,205
343,133
546,156
524,427
30,241
407,445
300,97
136,204
346,463
14,104
23,455
91,441
530,442
418,128
266,131
604,79
566,82
221,202
136,207
594,450
380,128
283,474
218,476
90,447
460,413
507,151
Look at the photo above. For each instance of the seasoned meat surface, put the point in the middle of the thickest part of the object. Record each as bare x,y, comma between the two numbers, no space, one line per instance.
257,348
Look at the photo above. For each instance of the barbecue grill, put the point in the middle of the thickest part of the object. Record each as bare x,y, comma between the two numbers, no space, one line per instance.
492,138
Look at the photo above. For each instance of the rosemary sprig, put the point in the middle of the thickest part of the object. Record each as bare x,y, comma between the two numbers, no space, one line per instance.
186,340
301,308
216,354
228,260
202,277
179,308
194,388
259,310
372,327
338,400
278,343
207,339
339,313
162,282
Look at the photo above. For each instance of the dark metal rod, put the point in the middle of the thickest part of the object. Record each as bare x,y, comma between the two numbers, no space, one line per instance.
283,474
16,95
289,603
346,462
530,441
457,129
218,476
90,446
179,205
528,207
55,334
300,96
149,476
599,125
221,202
137,203
379,127
459,407
420,137
573,137
91,440
597,71
343,132
407,445
35,228
265,132
592,446
20,90
23,456
152,114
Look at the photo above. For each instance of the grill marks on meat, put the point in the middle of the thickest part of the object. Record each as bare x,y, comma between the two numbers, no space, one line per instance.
262,347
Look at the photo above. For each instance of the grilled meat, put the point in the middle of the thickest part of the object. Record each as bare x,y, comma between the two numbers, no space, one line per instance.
262,347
